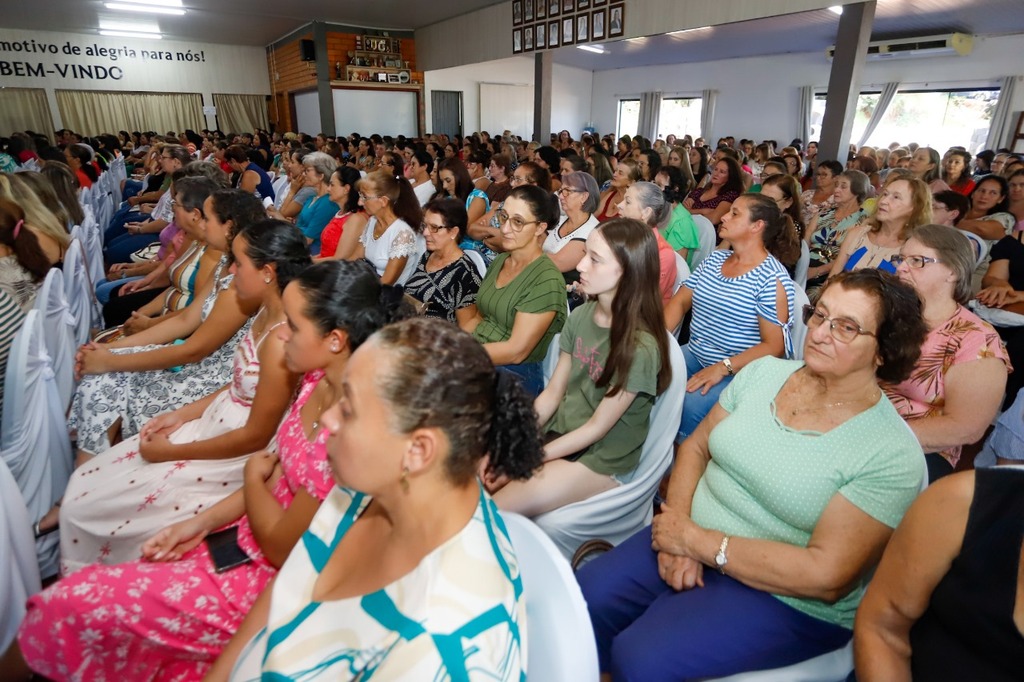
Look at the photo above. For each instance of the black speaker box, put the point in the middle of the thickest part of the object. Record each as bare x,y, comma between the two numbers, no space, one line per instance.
308,51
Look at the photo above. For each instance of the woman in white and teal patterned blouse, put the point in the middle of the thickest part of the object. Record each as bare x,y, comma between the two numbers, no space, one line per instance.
406,571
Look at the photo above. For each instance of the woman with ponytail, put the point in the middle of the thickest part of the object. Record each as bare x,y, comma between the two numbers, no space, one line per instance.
389,240
613,363
23,265
183,461
331,308
422,412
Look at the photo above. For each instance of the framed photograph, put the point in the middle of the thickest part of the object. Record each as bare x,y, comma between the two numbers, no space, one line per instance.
554,7
553,34
517,12
597,22
542,9
568,6
598,3
517,40
393,78
382,77
616,18
568,31
582,5
582,28
527,10
528,39
542,36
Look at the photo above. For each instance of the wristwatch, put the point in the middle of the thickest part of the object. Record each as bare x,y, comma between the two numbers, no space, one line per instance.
721,559
728,365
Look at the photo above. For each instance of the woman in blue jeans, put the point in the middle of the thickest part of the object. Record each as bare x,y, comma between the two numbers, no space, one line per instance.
742,302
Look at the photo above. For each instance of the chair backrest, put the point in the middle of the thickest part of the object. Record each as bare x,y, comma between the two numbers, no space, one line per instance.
800,273
560,638
19,571
79,291
59,326
682,272
478,261
981,247
280,186
34,443
835,666
616,514
799,333
551,358
89,235
706,239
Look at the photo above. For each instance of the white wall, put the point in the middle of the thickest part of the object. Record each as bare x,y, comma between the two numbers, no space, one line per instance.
53,61
570,98
759,97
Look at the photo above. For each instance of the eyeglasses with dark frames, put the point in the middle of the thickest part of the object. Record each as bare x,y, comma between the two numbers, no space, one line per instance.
842,329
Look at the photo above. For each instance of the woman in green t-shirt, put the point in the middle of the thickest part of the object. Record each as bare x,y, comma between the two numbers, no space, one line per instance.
613,363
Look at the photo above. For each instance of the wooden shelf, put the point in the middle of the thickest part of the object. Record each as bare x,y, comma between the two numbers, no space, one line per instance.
373,85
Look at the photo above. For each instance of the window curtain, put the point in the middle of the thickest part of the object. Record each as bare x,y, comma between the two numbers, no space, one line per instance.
884,100
93,113
707,115
806,108
25,109
1001,115
650,112
241,113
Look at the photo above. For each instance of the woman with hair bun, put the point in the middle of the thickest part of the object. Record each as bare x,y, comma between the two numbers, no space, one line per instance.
23,265
378,585
183,461
389,240
331,309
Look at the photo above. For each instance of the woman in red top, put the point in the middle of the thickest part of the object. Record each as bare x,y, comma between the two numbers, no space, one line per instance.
80,160
341,235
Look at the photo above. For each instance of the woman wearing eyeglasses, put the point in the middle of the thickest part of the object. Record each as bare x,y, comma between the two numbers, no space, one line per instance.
957,385
445,280
521,304
488,228
789,489
566,244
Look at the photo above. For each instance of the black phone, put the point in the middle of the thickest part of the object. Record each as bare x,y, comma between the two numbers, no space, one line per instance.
224,550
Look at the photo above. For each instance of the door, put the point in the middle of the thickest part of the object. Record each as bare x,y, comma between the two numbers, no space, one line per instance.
446,112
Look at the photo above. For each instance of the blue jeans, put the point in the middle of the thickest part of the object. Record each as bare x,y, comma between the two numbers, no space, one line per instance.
695,405
120,249
530,374
647,631
107,288
131,188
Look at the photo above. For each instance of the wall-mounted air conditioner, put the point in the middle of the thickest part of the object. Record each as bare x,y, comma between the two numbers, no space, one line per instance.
950,44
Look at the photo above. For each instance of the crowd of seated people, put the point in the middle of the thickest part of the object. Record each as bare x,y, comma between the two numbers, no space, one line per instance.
323,347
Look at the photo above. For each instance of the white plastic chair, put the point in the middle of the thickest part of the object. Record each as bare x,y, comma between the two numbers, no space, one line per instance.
34,442
89,235
59,327
616,514
478,261
804,262
279,186
682,273
981,247
799,333
706,239
19,568
560,638
550,360
79,291
835,666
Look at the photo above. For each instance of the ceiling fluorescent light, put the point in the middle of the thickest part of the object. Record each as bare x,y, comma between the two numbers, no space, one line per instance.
130,26
131,34
592,48
688,30
151,9
836,9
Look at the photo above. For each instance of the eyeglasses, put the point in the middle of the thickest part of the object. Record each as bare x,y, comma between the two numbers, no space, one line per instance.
516,180
566,191
424,226
368,197
916,262
843,329
517,223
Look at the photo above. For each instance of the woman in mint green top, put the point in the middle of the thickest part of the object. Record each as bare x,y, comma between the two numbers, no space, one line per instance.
790,488
679,230
522,301
613,363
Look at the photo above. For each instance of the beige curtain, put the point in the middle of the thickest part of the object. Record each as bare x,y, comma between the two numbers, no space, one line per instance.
241,113
25,109
93,113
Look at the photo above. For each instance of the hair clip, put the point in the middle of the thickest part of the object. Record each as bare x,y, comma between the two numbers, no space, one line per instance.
17,227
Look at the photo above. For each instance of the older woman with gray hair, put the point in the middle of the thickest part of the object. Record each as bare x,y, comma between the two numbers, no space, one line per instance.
319,209
646,202
566,244
957,385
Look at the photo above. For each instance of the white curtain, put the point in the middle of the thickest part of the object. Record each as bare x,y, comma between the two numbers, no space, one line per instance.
650,113
241,113
25,109
1001,114
707,115
93,113
884,100
806,107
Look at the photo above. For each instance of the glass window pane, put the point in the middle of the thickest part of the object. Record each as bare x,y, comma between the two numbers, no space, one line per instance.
629,117
680,116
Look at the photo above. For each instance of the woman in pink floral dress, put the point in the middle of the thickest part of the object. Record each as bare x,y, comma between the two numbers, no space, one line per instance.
957,384
166,617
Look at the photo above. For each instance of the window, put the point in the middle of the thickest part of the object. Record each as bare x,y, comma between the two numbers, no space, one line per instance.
680,116
629,117
937,119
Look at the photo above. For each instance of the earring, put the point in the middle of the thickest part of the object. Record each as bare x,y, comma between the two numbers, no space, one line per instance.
405,479
266,280
334,347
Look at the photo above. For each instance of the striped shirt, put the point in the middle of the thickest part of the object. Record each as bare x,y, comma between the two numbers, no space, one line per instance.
11,319
727,310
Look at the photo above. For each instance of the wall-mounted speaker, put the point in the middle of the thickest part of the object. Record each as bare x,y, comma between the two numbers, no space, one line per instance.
308,51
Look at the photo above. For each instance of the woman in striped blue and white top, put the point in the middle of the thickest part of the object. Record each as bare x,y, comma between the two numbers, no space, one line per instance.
742,302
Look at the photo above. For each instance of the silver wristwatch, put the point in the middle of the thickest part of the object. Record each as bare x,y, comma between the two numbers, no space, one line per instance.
721,559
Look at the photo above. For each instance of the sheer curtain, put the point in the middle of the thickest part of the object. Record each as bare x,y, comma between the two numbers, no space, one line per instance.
884,100
707,115
25,109
806,107
241,113
1001,114
650,113
93,113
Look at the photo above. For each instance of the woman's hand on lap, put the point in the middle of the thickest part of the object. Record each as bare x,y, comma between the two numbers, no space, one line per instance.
679,572
157,448
705,379
166,424
92,358
174,541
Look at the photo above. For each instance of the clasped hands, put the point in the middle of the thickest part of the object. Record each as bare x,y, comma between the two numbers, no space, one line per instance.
672,537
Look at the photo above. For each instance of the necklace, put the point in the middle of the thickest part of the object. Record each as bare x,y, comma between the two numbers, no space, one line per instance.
321,406
875,395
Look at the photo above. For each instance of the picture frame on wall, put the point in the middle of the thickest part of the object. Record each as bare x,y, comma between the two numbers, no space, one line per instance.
568,6
568,31
517,40
598,21
542,9
542,36
582,28
527,11
517,12
554,7
616,20
528,39
582,5
599,3
553,34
